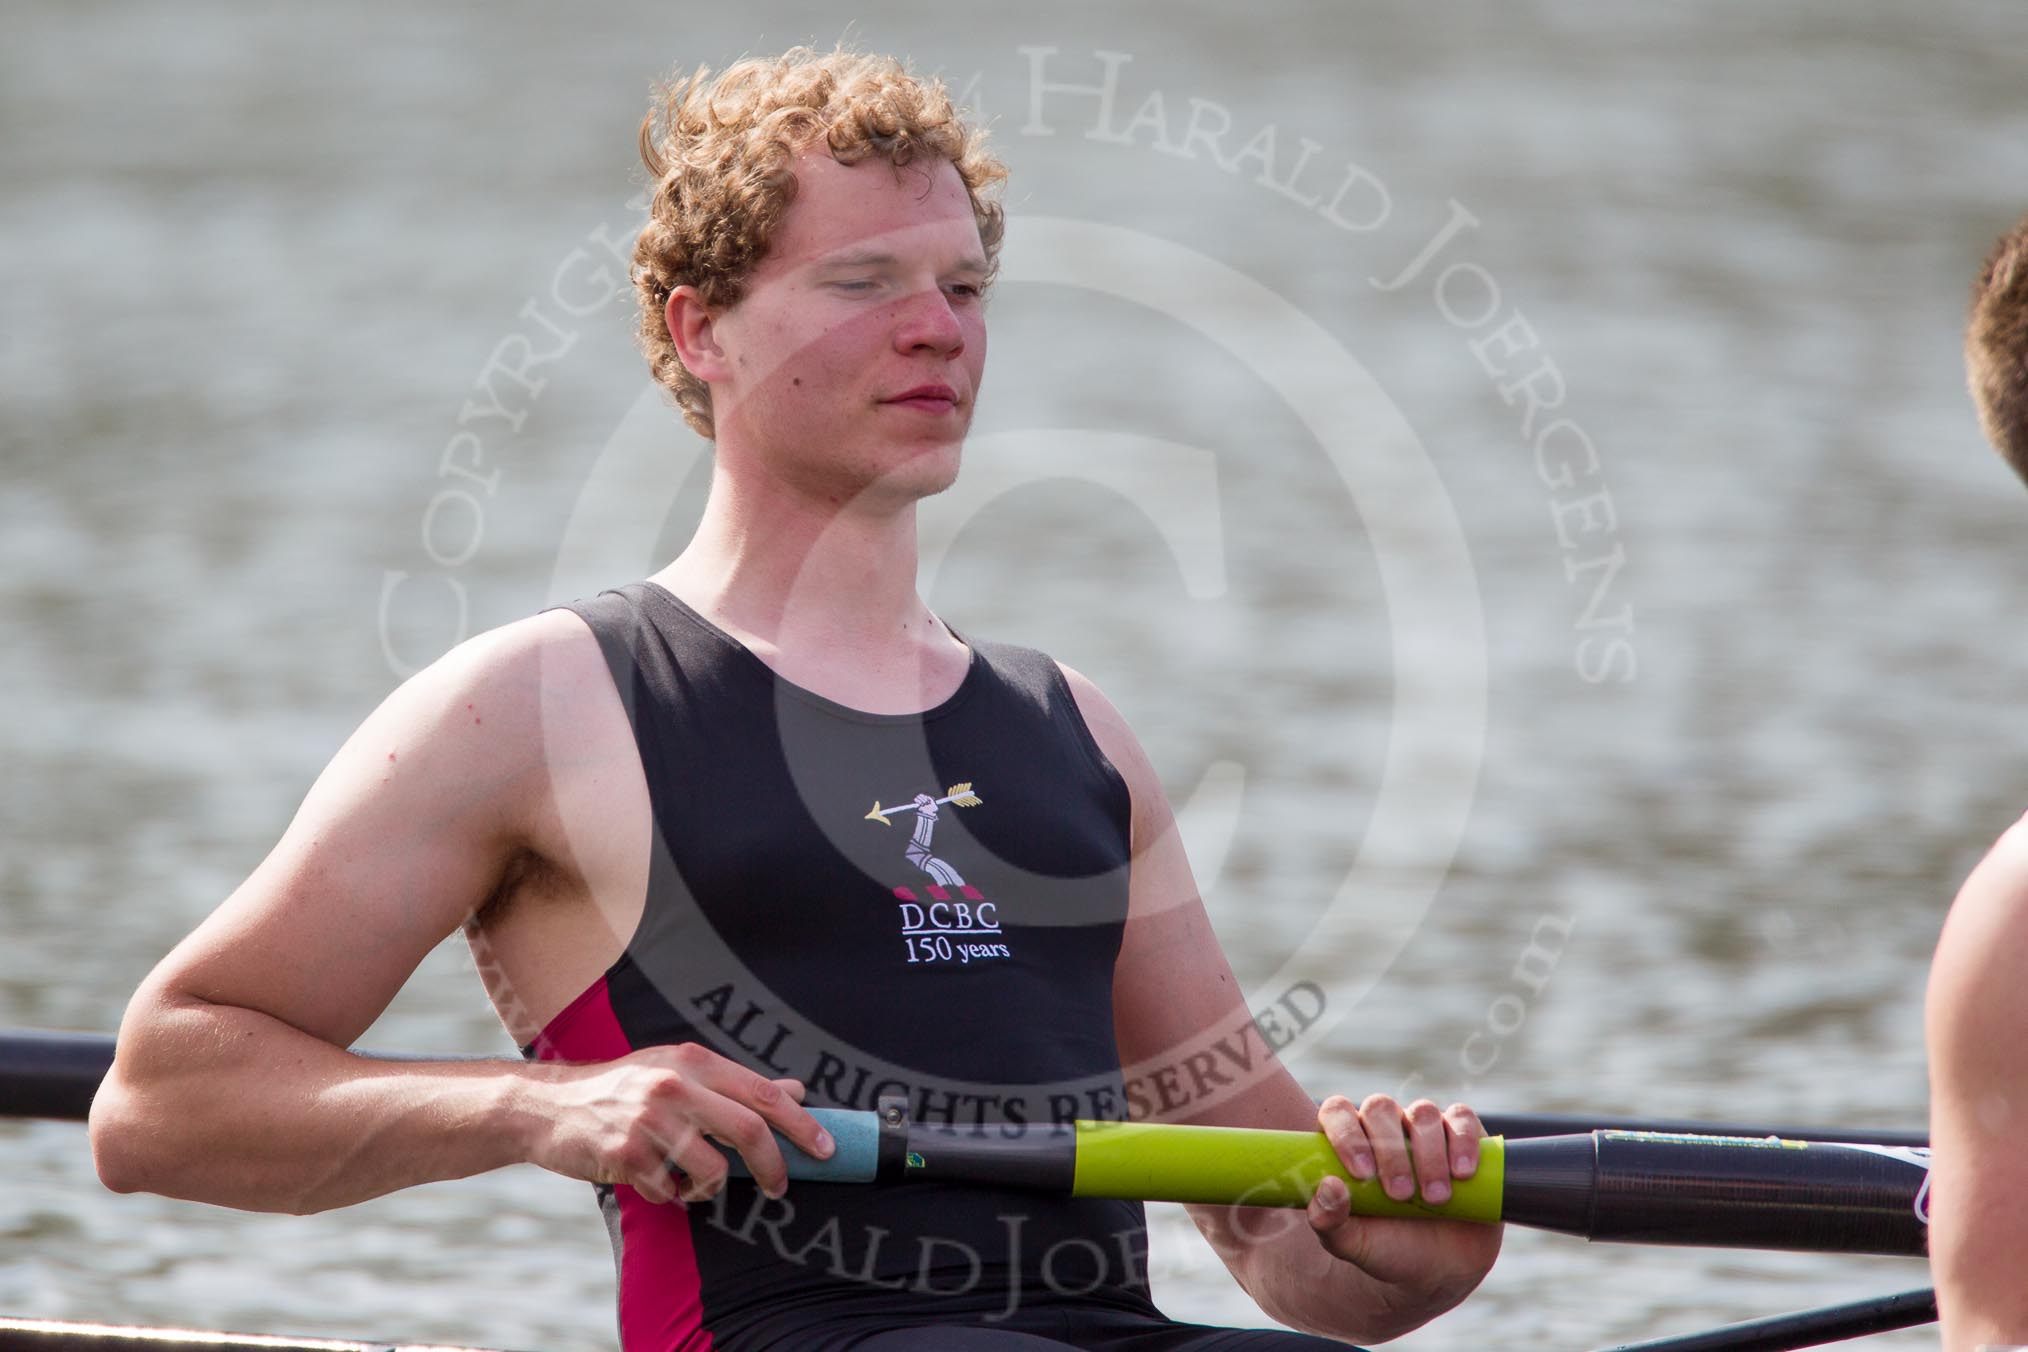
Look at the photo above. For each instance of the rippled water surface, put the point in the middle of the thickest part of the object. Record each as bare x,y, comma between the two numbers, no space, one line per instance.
256,261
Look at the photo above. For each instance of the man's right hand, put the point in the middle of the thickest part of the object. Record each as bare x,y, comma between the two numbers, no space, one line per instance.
644,1120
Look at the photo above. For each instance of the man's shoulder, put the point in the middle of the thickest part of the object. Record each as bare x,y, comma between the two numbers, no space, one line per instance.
1049,676
514,680
1098,711
517,657
1111,732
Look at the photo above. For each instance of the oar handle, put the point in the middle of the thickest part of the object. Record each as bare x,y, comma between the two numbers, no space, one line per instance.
855,1160
1148,1162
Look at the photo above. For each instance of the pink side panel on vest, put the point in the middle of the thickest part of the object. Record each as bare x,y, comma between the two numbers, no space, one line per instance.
661,1295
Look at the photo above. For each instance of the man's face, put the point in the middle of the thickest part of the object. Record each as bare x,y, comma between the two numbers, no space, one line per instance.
870,290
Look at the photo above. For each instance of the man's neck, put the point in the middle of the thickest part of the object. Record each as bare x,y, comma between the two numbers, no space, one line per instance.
807,584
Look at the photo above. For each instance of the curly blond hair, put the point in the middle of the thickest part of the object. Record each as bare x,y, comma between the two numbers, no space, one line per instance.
719,153
1996,347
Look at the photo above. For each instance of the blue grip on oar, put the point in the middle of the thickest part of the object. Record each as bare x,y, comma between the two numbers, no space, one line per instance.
856,1160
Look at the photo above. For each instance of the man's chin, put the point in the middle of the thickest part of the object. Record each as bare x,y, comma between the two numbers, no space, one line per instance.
924,474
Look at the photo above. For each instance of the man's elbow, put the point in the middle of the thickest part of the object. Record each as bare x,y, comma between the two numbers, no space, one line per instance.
119,1140
135,1150
146,1109
134,1145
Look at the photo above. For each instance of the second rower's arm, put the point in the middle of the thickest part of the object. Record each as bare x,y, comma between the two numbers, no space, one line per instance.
1976,1015
231,1082
1341,1275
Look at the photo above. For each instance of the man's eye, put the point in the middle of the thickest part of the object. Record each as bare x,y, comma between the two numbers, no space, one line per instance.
852,286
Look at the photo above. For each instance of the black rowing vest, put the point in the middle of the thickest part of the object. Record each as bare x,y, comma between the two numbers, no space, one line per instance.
925,904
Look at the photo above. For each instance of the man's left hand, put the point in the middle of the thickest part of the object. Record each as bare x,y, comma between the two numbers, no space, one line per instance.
1401,1145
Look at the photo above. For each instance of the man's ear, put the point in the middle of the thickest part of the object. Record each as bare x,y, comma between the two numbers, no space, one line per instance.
693,327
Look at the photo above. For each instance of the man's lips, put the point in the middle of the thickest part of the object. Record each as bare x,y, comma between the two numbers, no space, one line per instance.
928,398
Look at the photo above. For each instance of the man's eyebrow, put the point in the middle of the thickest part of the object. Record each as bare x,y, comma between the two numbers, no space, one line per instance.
859,258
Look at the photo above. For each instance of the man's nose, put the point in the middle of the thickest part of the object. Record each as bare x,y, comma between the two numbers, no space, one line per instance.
928,321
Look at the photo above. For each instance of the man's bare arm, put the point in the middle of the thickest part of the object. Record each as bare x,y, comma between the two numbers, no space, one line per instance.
1337,1274
1977,1029
232,1084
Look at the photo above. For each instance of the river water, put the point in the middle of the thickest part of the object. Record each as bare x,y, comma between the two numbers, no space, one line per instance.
1716,722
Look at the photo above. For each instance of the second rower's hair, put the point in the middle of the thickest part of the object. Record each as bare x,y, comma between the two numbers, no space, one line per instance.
1996,347
718,152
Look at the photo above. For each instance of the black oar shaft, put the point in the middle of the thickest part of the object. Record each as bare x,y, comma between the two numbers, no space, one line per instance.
1035,1161
54,1075
51,1074
1734,1192
1807,1328
1522,1126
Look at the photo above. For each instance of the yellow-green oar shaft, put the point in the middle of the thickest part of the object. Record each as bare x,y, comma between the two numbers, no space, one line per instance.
1244,1167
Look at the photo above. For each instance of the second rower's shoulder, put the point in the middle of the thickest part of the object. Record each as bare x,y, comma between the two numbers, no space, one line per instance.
2001,878
1985,936
2013,844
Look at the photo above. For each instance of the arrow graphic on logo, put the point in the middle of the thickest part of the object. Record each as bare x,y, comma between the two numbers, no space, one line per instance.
961,794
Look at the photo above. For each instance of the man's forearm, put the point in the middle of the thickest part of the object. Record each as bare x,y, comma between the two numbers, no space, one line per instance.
220,1104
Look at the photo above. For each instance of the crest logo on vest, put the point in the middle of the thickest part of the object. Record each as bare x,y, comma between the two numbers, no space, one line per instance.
952,921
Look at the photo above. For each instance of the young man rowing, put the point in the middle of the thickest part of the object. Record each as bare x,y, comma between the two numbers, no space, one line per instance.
1978,992
650,812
